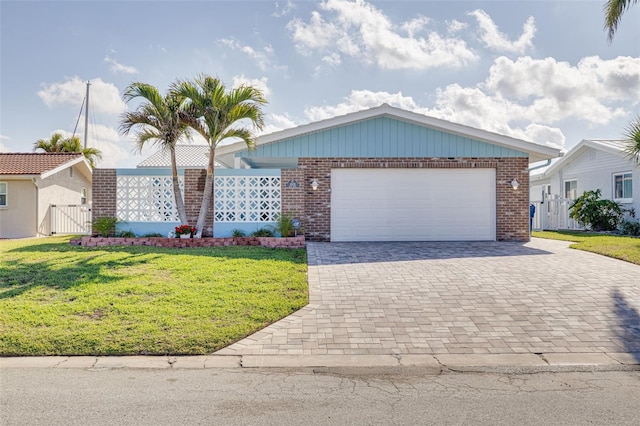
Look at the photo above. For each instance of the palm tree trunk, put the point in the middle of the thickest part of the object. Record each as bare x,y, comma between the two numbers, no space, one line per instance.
207,196
177,193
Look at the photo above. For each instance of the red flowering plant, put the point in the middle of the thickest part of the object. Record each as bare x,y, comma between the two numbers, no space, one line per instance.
185,230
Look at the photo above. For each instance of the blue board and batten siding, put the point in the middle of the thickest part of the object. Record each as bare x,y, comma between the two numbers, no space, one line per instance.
381,137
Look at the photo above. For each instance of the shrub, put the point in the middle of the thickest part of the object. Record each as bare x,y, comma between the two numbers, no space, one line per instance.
592,212
262,232
238,233
153,234
105,226
127,234
629,227
283,225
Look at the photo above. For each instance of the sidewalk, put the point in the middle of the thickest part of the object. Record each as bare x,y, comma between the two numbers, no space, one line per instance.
429,364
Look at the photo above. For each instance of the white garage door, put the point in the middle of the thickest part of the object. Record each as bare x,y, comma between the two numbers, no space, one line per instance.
413,205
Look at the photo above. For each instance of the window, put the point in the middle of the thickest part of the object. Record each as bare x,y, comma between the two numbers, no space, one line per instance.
3,194
571,189
623,187
83,196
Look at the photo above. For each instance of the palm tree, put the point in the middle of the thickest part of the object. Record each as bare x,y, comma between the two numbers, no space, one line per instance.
158,121
632,135
215,113
613,11
58,143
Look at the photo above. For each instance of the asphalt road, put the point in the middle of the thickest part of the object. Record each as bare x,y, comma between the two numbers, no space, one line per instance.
329,397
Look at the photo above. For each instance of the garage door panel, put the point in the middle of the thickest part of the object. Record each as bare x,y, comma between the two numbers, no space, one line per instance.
413,204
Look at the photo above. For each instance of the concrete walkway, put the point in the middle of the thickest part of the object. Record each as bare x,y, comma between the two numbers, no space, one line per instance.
484,306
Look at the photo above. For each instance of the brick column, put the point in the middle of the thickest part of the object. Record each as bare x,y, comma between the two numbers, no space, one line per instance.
194,182
512,206
317,204
103,191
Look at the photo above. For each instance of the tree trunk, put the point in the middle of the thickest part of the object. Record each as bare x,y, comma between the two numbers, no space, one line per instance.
206,197
177,193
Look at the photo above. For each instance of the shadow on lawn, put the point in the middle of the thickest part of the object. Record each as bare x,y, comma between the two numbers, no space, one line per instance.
88,264
60,272
628,330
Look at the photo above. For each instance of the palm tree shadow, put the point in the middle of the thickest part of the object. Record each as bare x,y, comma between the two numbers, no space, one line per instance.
628,329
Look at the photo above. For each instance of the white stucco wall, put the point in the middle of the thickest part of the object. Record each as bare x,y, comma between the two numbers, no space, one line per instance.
60,188
18,219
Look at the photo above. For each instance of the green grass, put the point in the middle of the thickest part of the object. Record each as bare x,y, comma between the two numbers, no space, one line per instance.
58,299
616,246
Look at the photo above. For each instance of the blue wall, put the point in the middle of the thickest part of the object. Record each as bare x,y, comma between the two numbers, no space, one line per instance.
381,137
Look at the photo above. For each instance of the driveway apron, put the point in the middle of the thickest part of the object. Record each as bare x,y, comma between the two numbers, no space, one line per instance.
457,298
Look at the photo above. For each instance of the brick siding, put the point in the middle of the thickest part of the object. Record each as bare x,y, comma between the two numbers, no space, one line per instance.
104,193
512,207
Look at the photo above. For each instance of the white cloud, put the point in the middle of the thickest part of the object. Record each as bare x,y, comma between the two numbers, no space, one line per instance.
260,83
283,9
4,137
104,97
494,39
263,57
415,25
118,68
456,26
3,147
277,122
555,90
359,100
360,30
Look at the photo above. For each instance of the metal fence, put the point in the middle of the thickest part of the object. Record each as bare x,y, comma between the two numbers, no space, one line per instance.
553,214
70,219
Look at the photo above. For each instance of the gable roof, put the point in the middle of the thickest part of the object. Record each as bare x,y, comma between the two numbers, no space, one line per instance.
187,156
611,146
536,152
40,164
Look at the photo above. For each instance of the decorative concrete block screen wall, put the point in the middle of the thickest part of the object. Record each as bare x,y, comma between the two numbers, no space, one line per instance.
143,199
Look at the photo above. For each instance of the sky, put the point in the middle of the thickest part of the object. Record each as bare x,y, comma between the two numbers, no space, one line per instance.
542,71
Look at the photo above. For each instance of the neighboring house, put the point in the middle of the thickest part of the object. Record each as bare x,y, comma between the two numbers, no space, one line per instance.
31,183
382,174
590,165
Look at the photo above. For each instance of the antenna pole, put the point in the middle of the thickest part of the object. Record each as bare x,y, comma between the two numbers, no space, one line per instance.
86,116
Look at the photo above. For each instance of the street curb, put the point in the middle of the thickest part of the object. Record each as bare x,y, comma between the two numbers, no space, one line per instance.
433,364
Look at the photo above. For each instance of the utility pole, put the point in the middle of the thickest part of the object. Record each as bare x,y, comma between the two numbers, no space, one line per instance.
86,116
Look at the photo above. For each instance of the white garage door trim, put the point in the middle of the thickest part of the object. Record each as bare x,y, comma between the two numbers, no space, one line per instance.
413,205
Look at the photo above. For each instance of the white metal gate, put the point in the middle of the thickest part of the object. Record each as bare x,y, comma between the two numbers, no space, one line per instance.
70,219
553,214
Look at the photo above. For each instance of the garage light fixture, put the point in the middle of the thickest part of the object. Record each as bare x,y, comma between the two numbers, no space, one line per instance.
314,184
515,184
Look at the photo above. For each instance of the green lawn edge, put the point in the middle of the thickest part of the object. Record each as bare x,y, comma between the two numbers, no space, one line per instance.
59,299
616,246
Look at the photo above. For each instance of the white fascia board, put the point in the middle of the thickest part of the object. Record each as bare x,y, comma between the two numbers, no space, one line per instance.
578,149
80,160
539,152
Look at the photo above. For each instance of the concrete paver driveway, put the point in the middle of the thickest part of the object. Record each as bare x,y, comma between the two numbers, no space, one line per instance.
458,298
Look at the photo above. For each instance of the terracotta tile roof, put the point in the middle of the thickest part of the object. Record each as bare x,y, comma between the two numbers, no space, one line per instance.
33,163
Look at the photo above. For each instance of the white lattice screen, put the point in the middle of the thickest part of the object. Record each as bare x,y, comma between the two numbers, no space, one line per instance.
146,199
236,198
246,198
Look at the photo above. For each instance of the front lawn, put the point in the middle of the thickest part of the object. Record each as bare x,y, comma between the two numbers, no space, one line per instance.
616,246
58,299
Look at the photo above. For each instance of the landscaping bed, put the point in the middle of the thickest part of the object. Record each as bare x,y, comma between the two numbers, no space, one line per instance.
271,242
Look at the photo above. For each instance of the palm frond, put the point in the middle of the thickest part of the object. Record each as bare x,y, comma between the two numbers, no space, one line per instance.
613,11
632,136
